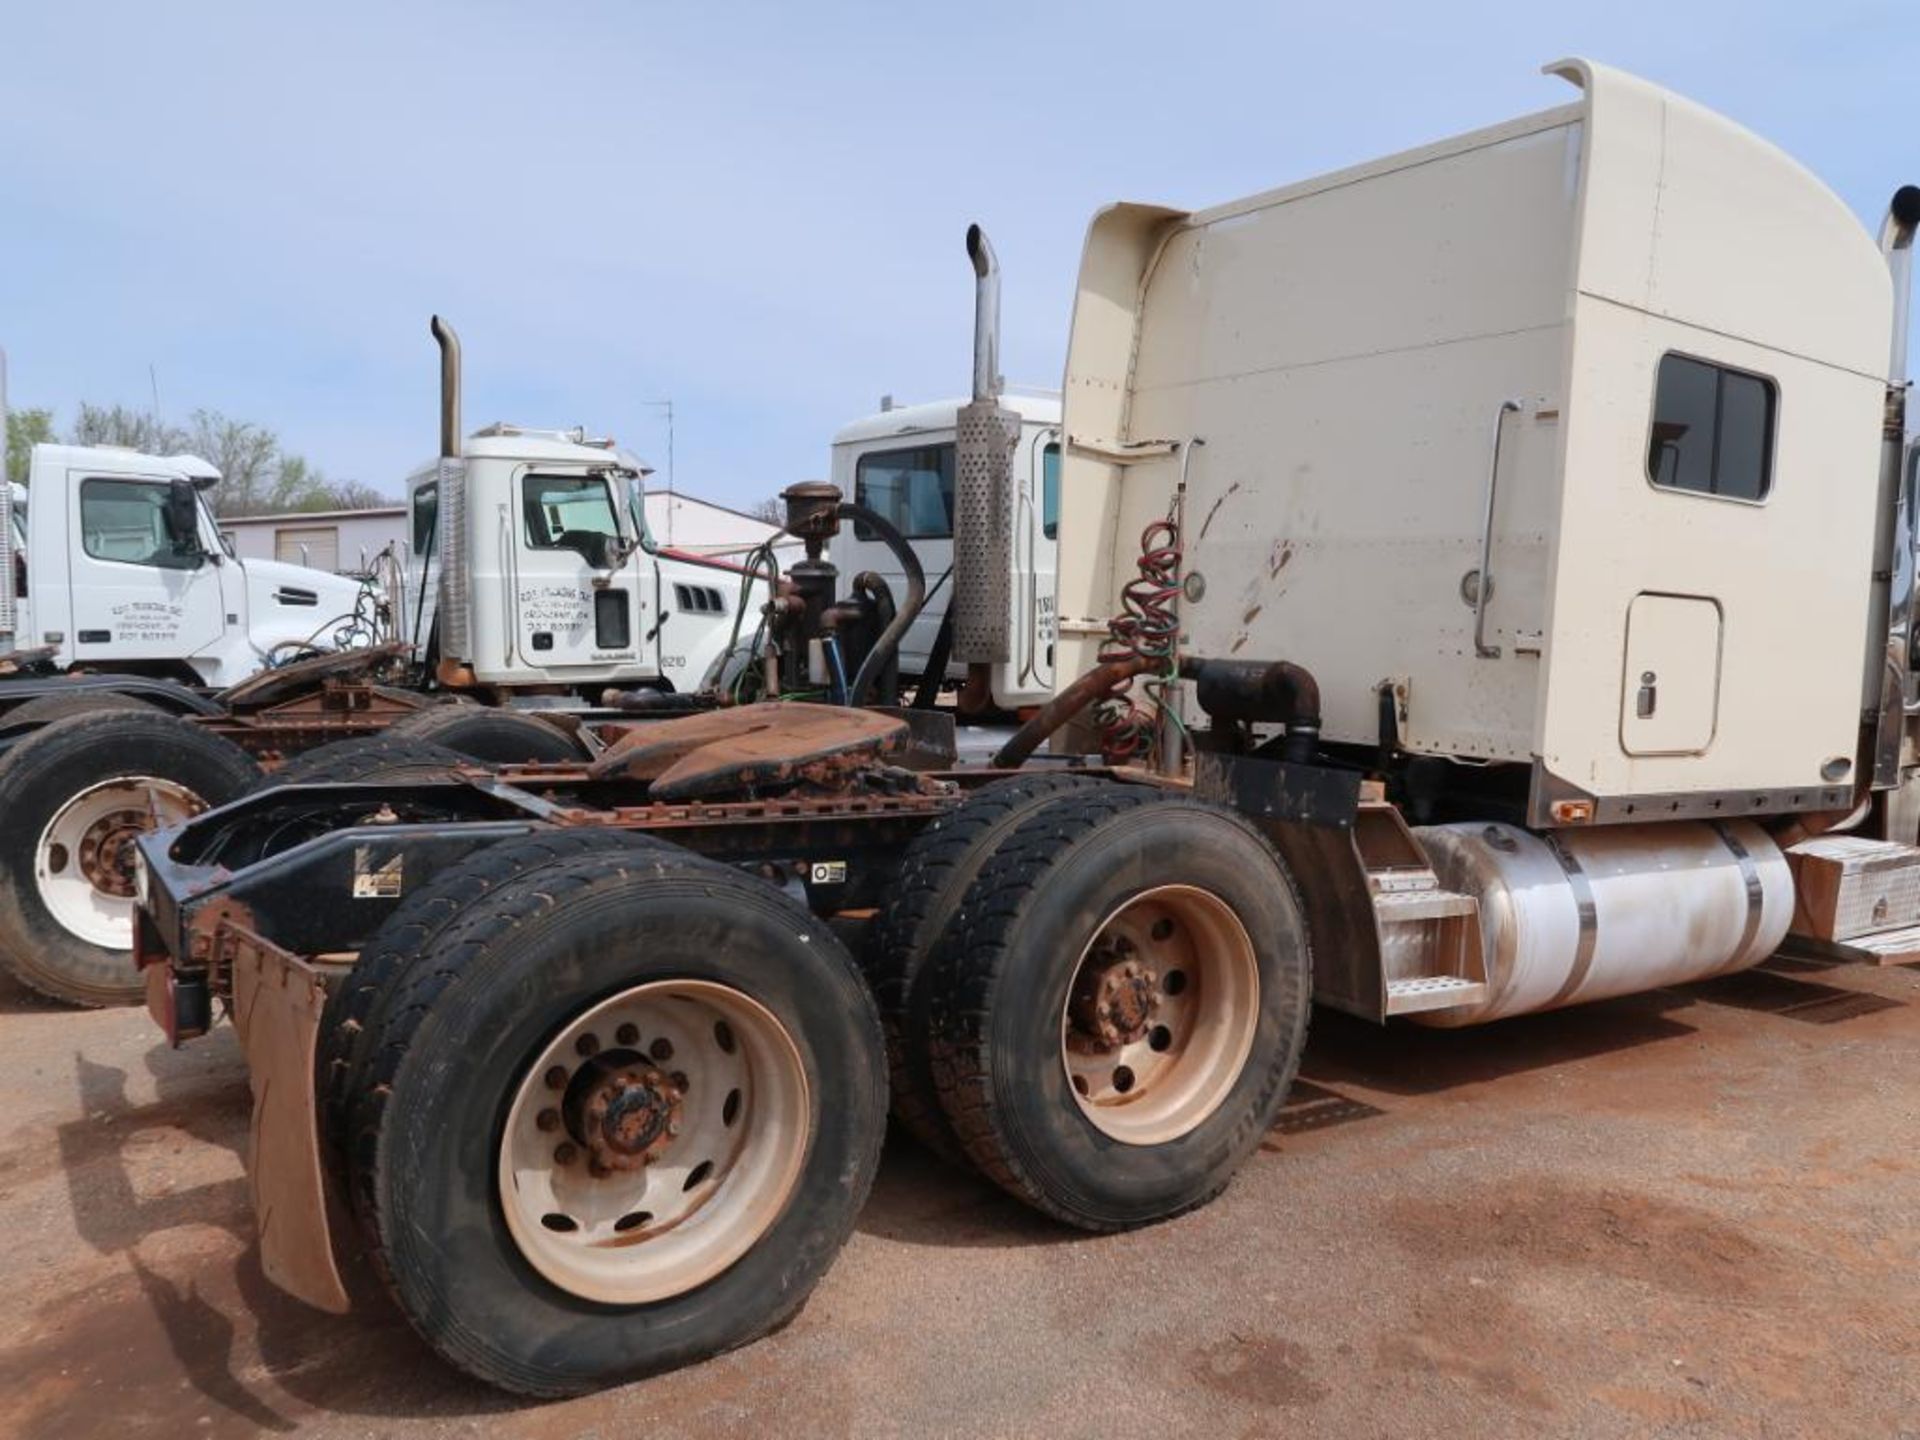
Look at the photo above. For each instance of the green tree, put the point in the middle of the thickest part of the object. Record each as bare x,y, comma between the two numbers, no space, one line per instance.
26,429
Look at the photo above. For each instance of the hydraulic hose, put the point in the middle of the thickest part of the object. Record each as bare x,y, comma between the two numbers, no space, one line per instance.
888,644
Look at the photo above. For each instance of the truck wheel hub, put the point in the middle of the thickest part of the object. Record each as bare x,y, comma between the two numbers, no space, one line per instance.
84,864
106,851
653,1141
1113,1003
1160,1016
629,1117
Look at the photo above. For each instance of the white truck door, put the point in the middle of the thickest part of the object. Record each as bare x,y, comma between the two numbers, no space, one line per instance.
138,592
1037,544
912,487
576,598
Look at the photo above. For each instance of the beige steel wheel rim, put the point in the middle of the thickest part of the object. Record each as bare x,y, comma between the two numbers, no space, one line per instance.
1160,1015
85,865
653,1141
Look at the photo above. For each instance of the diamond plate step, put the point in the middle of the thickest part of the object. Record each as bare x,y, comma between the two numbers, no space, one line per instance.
1433,992
1402,907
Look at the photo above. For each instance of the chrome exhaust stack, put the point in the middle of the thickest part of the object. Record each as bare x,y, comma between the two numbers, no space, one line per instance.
454,620
7,618
986,315
449,344
1889,692
987,435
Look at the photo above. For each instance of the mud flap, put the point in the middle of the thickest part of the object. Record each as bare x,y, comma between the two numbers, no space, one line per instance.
277,1003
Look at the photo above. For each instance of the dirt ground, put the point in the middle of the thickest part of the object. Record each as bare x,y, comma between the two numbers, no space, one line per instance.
1693,1212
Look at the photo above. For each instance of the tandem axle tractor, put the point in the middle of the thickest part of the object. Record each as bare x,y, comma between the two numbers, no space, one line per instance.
1450,712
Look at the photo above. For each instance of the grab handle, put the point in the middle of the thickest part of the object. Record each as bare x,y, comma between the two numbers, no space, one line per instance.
1483,586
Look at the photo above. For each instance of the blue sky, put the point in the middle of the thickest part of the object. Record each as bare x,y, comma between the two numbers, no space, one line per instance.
755,209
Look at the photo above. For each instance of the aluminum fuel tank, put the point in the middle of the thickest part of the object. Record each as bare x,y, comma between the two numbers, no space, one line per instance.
1588,914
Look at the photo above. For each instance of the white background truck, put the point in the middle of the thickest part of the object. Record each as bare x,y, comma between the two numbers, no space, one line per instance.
902,462
530,563
531,586
117,565
112,562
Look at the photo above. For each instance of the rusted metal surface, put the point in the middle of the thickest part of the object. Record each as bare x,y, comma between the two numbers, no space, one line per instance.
751,747
277,1004
1096,684
626,1117
285,681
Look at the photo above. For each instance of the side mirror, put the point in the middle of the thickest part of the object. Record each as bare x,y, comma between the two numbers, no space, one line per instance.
604,552
183,518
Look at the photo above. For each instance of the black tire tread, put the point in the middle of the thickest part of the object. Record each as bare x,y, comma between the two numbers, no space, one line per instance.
927,898
135,736
416,923
483,733
507,910
969,967
45,709
369,758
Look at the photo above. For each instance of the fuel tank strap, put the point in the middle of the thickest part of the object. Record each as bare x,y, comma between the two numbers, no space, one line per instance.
1589,921
1756,892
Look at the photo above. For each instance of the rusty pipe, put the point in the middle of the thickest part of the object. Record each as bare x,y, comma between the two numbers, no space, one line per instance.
1095,685
976,694
1251,691
888,645
449,387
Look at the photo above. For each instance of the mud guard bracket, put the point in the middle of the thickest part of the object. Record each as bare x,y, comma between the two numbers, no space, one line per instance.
277,1004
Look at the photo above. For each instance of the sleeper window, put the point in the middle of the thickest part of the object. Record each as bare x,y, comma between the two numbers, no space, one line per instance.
1712,430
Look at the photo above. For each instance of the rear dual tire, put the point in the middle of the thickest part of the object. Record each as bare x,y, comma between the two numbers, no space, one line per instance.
1117,1017
525,1023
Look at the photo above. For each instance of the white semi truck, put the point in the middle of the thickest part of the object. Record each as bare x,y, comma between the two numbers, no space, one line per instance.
118,566
1506,543
112,563
531,587
904,463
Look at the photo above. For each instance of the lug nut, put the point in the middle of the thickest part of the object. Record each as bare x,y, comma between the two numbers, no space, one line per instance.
557,1078
661,1049
548,1119
587,1044
628,1034
565,1153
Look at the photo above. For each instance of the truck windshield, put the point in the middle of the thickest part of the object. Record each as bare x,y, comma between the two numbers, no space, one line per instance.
561,511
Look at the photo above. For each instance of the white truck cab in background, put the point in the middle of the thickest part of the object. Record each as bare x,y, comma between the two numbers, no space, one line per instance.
900,462
529,563
114,562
